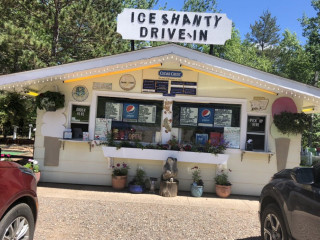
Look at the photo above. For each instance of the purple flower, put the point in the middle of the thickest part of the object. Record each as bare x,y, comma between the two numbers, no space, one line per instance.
124,165
118,164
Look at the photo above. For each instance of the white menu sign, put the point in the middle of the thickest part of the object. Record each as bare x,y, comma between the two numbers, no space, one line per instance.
114,111
189,116
147,113
232,136
103,127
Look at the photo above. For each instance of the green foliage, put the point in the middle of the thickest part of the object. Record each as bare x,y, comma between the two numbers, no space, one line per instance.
199,6
264,32
222,178
139,178
292,123
48,100
196,176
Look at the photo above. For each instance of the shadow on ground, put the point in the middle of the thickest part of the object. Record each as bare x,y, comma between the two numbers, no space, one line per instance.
96,188
250,238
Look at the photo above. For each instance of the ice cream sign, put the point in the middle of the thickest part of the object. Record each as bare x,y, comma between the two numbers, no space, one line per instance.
172,26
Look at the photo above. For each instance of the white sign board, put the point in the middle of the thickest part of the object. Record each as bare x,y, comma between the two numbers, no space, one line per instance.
173,26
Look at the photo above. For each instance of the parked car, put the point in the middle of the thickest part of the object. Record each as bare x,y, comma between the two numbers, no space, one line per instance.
18,201
290,205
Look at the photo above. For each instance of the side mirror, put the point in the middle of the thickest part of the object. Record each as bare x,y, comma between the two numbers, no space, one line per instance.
303,175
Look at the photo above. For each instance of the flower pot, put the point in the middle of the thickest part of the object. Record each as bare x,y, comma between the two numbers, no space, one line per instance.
119,182
37,174
223,191
196,191
135,188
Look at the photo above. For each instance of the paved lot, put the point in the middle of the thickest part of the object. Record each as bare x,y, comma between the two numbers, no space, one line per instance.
96,212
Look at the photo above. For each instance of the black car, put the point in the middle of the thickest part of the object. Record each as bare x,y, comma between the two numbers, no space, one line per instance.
290,205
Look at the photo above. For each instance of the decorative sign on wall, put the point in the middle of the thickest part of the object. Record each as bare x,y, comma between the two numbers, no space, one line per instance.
259,104
80,93
189,116
80,113
127,82
170,74
222,117
102,86
114,111
173,26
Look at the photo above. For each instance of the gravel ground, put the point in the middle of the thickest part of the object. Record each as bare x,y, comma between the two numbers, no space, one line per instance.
78,214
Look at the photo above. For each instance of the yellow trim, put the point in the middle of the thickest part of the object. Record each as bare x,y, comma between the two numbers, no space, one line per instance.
308,109
230,80
112,73
32,93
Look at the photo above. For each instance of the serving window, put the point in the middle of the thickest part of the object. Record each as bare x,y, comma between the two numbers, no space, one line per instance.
128,119
79,120
198,123
256,132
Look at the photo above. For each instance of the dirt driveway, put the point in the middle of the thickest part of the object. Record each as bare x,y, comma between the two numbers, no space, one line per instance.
95,212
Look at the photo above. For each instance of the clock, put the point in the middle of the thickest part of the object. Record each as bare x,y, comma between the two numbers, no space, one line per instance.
127,82
80,93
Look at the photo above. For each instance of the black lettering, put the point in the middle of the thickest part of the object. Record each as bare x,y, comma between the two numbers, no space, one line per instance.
171,34
132,17
197,20
175,18
194,34
141,20
154,31
185,20
182,33
165,19
203,35
208,20
162,32
217,21
152,17
143,32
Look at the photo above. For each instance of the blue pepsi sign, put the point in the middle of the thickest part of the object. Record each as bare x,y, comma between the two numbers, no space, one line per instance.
130,112
172,74
205,117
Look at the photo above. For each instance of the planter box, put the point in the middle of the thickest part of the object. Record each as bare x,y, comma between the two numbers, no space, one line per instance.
154,154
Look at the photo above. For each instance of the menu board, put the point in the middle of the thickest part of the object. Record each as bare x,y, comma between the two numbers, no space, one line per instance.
222,117
80,113
256,124
114,111
162,86
232,136
155,86
103,127
189,116
130,112
147,113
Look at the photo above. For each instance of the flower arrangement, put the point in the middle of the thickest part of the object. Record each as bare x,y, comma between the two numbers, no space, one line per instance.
222,178
120,169
33,165
217,146
5,157
196,176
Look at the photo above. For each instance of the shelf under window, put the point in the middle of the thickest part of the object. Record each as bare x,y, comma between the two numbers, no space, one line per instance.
269,154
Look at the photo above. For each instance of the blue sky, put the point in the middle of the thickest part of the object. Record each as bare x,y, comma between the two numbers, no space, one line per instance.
246,12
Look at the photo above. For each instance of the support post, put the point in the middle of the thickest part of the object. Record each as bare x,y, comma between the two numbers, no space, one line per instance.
211,49
132,45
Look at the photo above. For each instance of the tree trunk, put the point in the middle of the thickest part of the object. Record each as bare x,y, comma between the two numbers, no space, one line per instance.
168,189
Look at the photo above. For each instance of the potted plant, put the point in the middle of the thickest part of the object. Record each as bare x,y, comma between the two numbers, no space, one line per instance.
223,186
197,185
137,184
33,165
50,101
119,176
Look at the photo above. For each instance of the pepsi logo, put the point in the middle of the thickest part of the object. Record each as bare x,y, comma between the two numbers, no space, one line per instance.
205,113
130,109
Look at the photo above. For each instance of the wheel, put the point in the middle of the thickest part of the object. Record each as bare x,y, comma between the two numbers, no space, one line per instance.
272,224
18,223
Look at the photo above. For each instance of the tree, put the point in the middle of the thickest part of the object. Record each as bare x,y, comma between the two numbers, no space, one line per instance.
264,32
311,30
199,6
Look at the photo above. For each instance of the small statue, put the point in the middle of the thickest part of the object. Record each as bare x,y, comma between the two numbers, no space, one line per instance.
170,169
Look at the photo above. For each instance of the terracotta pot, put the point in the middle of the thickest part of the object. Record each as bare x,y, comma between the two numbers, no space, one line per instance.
223,191
37,174
119,182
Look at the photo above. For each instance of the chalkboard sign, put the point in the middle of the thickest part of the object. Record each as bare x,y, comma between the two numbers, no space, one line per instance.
80,113
256,124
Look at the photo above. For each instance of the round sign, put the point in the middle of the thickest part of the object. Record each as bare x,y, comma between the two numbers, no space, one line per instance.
80,93
127,82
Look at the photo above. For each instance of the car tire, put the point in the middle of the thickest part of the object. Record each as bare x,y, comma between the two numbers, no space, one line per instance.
272,224
20,214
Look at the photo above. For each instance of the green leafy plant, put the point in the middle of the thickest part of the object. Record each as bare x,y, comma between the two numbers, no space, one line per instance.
222,178
139,178
33,165
50,101
120,169
292,123
196,176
